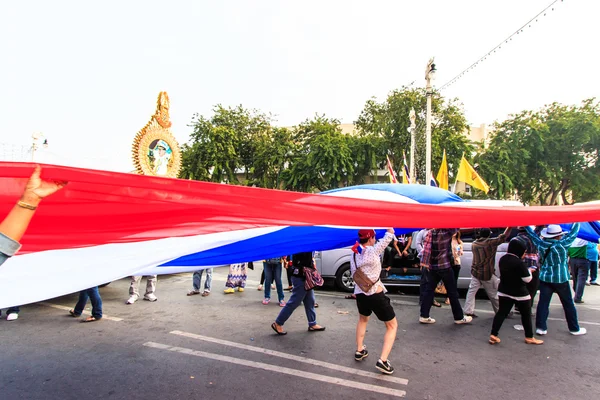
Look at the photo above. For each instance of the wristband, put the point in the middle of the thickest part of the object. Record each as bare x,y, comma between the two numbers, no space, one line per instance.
26,205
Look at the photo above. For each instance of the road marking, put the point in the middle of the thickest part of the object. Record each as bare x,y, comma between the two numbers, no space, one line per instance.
287,356
282,370
104,316
549,318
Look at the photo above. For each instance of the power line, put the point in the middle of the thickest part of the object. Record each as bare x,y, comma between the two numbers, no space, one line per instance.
505,41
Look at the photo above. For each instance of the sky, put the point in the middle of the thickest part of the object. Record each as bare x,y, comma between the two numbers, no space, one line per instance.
87,74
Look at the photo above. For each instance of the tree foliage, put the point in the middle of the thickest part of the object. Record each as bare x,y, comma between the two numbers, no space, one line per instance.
546,155
389,121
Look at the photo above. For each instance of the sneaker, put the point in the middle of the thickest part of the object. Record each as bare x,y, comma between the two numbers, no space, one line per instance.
427,320
384,367
131,300
594,283
14,316
581,331
240,289
282,303
541,332
266,301
150,297
259,287
466,320
360,355
193,292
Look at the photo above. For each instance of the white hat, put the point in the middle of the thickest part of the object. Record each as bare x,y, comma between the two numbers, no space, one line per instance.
552,231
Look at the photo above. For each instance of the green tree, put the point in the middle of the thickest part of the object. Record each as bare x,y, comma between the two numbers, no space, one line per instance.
389,121
546,155
322,157
273,155
225,144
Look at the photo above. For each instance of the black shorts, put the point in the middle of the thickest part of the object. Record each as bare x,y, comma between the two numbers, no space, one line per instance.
377,303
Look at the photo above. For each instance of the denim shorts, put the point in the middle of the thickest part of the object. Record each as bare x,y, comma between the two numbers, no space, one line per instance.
377,303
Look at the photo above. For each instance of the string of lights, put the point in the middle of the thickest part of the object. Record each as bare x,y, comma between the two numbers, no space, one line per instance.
527,24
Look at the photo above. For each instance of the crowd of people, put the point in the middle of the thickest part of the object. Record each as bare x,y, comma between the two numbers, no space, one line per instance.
543,260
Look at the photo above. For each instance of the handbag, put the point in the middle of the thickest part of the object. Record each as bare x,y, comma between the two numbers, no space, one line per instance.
312,278
441,289
361,279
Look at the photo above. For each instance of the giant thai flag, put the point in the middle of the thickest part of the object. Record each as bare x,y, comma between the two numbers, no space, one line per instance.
104,226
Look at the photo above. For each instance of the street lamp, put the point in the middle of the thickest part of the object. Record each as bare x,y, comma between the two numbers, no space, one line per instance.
429,76
412,116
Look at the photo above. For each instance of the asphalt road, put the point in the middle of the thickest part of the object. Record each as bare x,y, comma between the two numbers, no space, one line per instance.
222,347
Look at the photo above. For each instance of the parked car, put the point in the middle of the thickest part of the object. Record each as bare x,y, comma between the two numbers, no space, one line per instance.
335,265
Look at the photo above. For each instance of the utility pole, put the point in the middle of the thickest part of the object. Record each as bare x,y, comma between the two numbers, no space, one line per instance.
429,76
412,116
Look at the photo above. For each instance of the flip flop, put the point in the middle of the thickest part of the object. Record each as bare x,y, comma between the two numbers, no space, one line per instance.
435,303
91,319
275,329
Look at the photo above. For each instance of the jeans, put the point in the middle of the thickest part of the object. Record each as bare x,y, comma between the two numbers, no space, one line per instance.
580,269
543,308
593,271
506,304
491,289
273,271
431,279
94,296
299,294
197,279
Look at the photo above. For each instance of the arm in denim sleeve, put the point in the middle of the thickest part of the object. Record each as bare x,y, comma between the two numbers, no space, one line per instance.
8,248
383,243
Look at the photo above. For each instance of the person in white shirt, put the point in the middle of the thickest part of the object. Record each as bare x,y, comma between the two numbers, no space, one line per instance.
367,257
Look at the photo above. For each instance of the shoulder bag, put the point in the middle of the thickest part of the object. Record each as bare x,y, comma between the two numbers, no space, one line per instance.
361,279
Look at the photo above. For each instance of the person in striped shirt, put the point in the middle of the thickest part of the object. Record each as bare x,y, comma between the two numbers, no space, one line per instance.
554,275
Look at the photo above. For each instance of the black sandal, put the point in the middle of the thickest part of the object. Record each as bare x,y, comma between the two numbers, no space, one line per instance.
72,314
275,329
436,304
313,329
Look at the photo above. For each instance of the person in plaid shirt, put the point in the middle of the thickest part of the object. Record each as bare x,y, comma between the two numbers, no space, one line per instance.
436,263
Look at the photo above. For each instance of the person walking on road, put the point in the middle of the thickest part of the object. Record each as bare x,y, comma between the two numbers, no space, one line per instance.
592,255
580,267
272,269
197,282
512,291
367,258
554,276
483,269
436,266
300,262
94,295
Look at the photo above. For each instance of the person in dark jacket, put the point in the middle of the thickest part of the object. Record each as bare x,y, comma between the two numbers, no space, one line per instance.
512,291
300,262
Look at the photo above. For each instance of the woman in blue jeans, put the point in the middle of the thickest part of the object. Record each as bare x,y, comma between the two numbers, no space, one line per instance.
94,295
300,261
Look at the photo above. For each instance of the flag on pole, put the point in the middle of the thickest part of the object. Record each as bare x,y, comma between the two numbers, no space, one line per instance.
442,176
391,173
467,174
432,181
405,173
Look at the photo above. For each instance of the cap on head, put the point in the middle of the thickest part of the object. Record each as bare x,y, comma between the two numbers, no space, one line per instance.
366,233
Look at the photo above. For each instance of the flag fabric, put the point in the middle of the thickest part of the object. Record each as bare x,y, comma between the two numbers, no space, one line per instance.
391,172
467,174
405,172
442,176
105,225
432,181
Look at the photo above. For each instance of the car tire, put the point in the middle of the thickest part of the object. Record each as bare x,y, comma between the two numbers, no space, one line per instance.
343,278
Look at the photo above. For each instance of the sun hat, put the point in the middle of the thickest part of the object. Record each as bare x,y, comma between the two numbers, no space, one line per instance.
552,231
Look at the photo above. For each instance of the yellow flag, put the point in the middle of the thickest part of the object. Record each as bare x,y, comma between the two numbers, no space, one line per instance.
442,176
467,174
